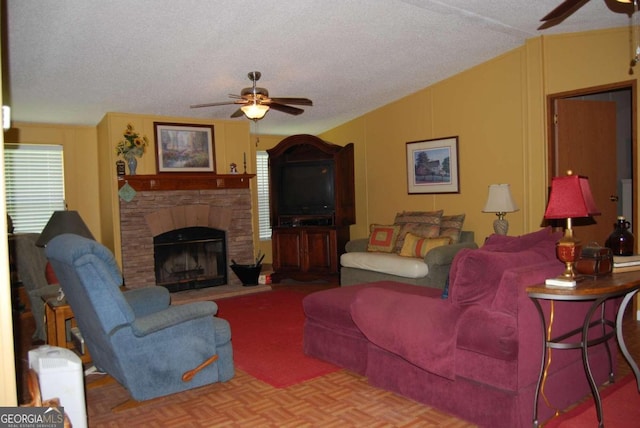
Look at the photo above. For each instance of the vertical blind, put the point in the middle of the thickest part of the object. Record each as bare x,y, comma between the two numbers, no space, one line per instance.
262,180
34,177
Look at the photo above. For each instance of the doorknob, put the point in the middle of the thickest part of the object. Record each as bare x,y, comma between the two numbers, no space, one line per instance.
613,198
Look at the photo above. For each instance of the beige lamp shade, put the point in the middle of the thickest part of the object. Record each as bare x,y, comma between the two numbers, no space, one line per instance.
500,201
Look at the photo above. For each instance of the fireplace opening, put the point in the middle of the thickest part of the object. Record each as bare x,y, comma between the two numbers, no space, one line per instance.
190,258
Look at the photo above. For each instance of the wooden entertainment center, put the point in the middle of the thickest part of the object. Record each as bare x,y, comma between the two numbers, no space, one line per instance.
312,195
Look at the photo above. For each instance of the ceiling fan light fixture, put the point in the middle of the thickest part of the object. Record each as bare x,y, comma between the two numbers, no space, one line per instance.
254,111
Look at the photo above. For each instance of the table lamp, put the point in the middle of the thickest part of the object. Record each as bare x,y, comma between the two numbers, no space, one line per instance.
570,198
500,202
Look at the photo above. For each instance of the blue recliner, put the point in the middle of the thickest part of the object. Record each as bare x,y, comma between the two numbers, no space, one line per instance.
136,336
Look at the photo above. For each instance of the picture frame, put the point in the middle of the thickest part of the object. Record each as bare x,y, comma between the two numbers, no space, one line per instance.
432,166
182,147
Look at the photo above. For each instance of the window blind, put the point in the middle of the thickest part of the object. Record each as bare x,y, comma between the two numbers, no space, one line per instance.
34,177
262,180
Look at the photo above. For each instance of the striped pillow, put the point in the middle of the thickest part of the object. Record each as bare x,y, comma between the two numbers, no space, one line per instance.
421,223
451,226
416,246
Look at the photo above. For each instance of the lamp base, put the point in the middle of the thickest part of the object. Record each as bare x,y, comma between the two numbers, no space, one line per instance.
500,226
568,251
560,282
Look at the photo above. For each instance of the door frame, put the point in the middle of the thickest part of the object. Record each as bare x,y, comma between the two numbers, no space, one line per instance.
551,135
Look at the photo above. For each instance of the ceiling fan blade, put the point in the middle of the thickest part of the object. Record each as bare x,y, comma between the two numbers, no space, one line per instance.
223,103
237,113
286,109
560,13
294,101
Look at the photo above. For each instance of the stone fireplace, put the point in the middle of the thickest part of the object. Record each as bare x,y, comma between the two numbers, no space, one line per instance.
156,210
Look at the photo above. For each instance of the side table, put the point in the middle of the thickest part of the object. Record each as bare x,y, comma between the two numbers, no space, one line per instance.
57,313
598,291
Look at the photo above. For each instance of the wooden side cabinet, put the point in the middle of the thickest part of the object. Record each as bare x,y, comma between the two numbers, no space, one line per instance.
307,253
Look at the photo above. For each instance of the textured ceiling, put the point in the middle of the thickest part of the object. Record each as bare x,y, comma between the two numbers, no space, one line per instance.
72,61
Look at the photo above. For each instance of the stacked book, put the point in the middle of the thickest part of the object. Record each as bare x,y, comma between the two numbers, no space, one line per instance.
626,263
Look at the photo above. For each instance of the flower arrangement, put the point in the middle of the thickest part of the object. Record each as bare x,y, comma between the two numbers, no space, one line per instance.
133,145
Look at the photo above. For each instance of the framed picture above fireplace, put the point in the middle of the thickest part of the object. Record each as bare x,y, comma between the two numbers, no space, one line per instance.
182,147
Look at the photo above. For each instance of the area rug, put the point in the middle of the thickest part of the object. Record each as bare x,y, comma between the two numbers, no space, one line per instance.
266,333
620,407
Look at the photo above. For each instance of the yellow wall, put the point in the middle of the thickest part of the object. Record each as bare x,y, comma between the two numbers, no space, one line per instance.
497,109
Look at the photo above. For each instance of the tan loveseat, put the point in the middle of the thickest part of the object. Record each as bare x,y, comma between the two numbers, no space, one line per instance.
438,262
360,264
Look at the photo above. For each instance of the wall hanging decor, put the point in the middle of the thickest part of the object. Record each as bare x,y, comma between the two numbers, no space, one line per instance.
432,166
183,147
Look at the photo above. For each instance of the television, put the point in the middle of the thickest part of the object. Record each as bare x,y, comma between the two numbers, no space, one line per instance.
307,188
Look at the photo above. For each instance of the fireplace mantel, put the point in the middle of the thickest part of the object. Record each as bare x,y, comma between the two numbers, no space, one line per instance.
181,181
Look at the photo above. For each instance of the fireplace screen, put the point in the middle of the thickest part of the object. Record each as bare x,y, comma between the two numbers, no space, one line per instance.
192,257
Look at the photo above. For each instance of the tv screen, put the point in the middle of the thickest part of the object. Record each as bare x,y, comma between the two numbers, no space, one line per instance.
307,188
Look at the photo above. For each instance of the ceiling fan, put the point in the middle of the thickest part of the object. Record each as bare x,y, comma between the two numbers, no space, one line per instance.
255,101
568,7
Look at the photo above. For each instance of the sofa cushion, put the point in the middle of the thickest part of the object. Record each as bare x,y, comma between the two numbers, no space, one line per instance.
332,307
421,223
382,237
420,329
389,263
417,246
488,332
451,226
507,243
475,274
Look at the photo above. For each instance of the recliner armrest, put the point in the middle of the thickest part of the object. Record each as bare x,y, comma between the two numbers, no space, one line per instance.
171,316
147,300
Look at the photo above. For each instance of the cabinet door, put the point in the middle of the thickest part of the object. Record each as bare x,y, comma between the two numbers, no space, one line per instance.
319,250
286,249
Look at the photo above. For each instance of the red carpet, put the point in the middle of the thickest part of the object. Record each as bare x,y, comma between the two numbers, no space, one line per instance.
266,332
620,407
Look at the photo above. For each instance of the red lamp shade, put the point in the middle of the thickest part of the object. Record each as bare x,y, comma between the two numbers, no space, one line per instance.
570,198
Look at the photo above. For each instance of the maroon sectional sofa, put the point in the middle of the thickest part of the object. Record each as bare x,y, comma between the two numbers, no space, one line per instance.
475,354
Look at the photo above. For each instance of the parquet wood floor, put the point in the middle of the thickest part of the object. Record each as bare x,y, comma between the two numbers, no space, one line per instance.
340,399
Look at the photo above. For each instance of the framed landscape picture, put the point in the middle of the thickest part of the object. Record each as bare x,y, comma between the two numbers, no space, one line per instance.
184,148
432,166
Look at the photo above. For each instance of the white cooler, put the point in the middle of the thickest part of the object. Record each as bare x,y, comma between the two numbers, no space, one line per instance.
61,376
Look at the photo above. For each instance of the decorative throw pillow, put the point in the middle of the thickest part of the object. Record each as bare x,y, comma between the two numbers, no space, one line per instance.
417,246
50,274
421,223
451,226
382,238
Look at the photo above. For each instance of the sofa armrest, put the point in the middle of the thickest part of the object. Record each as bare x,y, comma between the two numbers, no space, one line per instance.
444,255
357,245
